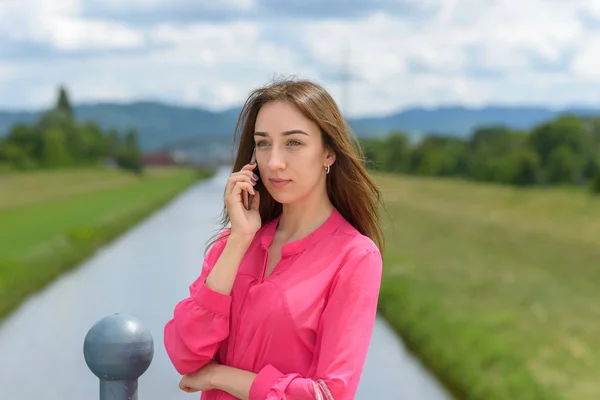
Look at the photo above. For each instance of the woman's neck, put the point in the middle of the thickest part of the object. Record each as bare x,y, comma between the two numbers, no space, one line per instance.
299,220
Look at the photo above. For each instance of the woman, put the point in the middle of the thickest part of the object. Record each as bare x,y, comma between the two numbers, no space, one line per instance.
286,301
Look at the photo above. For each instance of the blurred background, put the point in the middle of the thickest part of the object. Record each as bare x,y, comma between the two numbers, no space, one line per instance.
479,119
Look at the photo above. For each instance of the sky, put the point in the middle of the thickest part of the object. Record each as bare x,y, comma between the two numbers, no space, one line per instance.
375,57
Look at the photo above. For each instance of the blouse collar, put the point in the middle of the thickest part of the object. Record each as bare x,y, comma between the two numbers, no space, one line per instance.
327,228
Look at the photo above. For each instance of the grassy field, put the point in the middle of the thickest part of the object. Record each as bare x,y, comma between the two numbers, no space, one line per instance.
496,289
52,220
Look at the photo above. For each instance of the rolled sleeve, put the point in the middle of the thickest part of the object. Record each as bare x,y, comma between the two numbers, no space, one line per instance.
264,381
212,300
200,322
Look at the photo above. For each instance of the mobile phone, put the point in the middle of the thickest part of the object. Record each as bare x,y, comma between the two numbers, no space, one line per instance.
248,196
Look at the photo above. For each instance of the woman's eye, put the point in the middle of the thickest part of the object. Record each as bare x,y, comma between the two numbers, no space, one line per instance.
262,143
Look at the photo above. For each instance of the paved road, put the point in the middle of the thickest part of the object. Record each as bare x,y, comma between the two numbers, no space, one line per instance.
144,273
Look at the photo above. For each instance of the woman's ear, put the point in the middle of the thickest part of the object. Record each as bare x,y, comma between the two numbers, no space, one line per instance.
329,157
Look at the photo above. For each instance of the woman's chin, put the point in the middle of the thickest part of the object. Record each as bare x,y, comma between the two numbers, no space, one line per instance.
283,198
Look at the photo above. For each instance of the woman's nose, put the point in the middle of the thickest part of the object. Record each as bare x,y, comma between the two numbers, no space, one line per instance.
276,160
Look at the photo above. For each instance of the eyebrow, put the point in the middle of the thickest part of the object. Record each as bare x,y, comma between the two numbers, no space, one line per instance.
286,133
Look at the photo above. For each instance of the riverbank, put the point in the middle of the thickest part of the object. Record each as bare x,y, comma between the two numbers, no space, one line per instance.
52,220
495,288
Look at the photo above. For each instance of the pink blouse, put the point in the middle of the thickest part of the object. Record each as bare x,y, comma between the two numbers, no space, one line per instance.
305,329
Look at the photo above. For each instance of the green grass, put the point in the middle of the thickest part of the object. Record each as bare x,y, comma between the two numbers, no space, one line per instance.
496,289
50,221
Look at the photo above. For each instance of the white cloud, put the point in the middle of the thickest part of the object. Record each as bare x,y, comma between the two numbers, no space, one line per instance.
501,28
592,8
510,38
223,61
587,60
401,61
74,34
133,5
228,40
59,24
210,65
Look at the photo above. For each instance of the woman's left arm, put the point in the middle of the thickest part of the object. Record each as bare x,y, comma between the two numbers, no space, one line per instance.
343,339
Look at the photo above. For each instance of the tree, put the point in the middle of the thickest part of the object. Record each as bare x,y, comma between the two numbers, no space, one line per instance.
15,156
421,150
63,104
374,152
595,185
129,155
595,130
567,131
523,168
27,139
439,155
57,139
562,165
57,120
55,149
112,143
397,153
492,152
92,144
492,140
591,167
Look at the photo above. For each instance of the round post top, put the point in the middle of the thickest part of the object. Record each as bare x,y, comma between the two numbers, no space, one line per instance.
118,347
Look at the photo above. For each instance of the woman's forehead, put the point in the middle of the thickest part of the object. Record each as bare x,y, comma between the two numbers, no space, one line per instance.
283,119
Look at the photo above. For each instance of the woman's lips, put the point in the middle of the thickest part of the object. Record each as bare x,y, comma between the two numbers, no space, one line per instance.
279,183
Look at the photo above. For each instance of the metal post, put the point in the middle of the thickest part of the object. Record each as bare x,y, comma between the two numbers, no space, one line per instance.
118,349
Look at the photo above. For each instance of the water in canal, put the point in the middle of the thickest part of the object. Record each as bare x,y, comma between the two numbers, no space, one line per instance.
144,273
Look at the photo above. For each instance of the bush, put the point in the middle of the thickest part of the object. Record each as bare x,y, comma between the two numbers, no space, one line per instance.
561,165
129,160
524,168
595,185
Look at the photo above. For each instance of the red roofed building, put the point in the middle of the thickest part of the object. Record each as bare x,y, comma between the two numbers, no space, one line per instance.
157,159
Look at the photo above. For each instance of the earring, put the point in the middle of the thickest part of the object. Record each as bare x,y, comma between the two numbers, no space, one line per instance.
327,169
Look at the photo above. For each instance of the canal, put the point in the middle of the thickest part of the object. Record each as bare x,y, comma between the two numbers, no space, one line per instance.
144,273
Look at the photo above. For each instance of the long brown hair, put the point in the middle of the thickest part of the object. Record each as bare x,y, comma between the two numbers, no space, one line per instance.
349,186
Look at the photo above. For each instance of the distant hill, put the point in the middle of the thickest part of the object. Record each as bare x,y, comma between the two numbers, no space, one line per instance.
461,121
158,124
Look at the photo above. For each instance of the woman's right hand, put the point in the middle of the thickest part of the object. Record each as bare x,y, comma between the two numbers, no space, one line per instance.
244,223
